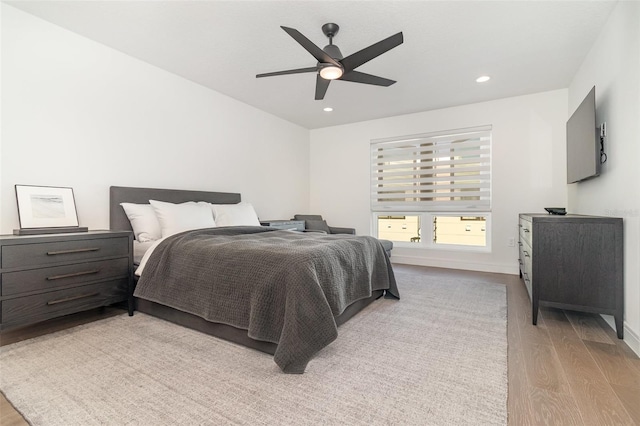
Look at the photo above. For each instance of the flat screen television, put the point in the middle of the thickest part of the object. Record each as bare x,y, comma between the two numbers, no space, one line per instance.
583,141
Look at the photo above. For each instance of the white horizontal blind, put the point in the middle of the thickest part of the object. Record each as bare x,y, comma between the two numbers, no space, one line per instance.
445,171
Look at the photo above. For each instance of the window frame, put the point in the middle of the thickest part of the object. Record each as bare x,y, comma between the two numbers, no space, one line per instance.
427,213
426,238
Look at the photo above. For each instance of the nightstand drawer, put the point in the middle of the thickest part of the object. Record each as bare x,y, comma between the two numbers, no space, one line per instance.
48,279
39,307
25,255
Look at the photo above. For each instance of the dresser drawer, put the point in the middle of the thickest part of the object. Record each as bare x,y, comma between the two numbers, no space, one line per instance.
521,256
526,253
27,255
525,231
48,279
526,262
527,275
39,307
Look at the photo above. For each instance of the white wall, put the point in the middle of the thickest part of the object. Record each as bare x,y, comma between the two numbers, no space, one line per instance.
528,170
613,66
77,113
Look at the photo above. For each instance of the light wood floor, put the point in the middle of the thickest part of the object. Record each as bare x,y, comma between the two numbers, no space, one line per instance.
570,369
8,415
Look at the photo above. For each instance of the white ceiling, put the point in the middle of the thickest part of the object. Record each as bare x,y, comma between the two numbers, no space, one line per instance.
526,47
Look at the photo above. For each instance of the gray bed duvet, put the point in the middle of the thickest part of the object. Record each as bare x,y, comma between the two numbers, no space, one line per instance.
282,287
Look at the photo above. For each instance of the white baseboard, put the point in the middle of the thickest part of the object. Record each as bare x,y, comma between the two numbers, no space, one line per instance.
453,264
631,338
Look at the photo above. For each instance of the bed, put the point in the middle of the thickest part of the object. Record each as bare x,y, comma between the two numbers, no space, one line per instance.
307,287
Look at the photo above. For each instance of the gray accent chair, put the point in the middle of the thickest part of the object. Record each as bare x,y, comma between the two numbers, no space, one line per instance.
315,223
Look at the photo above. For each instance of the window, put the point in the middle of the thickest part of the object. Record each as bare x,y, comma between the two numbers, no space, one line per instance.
434,230
433,189
399,228
460,230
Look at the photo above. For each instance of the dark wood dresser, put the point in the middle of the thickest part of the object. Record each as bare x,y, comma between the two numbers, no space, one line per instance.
47,276
573,262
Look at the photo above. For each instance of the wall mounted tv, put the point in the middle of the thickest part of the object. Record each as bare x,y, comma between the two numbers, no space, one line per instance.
583,141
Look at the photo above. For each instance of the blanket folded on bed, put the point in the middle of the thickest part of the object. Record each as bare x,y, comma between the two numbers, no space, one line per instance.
282,287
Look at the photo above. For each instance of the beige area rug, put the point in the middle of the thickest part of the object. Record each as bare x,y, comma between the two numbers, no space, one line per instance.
436,357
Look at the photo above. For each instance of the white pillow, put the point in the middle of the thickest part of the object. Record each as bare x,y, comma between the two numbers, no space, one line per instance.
176,218
241,214
143,221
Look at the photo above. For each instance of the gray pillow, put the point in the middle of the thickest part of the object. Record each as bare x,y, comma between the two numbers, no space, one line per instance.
317,225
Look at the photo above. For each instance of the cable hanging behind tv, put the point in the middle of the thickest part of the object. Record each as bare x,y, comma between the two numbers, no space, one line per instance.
585,147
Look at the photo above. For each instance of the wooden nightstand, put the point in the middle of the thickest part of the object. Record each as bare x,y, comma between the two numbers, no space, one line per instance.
47,276
295,225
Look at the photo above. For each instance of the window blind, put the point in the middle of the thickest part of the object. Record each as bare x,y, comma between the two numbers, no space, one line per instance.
445,171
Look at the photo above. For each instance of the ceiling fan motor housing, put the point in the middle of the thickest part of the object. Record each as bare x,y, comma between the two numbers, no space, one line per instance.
333,51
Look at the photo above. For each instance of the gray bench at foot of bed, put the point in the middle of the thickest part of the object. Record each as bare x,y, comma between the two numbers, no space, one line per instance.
387,245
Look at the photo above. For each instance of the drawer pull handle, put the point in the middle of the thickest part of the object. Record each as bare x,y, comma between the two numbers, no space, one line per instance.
75,274
69,299
53,253
526,254
526,230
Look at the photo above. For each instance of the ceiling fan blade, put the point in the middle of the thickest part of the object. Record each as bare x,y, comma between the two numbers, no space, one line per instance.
321,87
317,53
353,61
360,77
296,71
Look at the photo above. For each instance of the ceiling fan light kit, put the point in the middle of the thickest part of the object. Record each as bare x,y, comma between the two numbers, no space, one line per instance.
330,72
333,66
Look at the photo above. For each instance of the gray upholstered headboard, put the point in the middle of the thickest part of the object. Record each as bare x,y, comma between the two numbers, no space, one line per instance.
121,194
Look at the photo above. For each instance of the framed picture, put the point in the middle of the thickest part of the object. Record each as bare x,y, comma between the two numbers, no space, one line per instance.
46,207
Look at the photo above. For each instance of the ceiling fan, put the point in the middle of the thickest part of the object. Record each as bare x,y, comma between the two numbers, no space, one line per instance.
333,66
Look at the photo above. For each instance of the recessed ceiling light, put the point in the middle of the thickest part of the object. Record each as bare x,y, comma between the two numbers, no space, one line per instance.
327,109
483,78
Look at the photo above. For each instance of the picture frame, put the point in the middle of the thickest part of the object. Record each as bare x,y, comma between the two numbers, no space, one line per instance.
46,207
